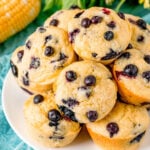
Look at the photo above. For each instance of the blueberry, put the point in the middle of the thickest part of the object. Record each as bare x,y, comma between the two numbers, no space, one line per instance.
112,128
74,7
148,109
71,76
28,44
145,103
68,113
146,75
137,138
78,14
110,55
147,58
130,70
14,69
86,90
49,51
92,115
129,46
54,115
41,29
125,55
54,22
94,54
96,19
132,21
70,102
52,123
48,38
38,99
121,73
25,79
141,23
73,34
35,62
121,15
62,56
109,35
86,22
111,24
56,137
90,80
140,38
20,55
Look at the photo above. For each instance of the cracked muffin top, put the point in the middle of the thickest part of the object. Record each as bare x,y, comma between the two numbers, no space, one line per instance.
85,91
99,34
38,63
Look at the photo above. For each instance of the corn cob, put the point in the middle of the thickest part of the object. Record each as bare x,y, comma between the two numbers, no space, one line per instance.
15,15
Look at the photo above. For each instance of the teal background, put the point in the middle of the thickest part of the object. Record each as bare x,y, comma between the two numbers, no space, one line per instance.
8,139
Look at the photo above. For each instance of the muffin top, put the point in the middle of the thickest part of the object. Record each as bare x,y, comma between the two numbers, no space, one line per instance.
124,121
85,91
140,33
45,53
99,34
42,114
62,17
132,71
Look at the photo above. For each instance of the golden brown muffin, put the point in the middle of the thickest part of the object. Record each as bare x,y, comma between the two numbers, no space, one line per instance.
132,74
99,34
85,91
16,61
45,123
122,129
140,33
46,53
62,17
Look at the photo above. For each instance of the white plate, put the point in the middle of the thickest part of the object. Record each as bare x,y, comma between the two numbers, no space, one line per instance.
13,99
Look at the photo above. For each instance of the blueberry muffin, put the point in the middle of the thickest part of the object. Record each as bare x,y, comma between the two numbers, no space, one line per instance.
46,52
99,34
46,125
62,17
85,91
16,62
132,73
122,129
140,33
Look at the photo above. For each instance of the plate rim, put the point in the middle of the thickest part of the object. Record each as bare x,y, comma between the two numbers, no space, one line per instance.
7,117
11,123
22,138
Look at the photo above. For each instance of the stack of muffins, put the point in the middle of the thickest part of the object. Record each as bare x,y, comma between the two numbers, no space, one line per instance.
87,67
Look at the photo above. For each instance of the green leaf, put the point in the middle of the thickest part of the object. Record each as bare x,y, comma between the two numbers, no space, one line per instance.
48,4
66,4
52,5
82,4
119,5
58,4
90,3
101,3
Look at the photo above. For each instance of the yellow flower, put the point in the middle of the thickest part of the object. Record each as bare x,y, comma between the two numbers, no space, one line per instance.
109,2
146,3
141,1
